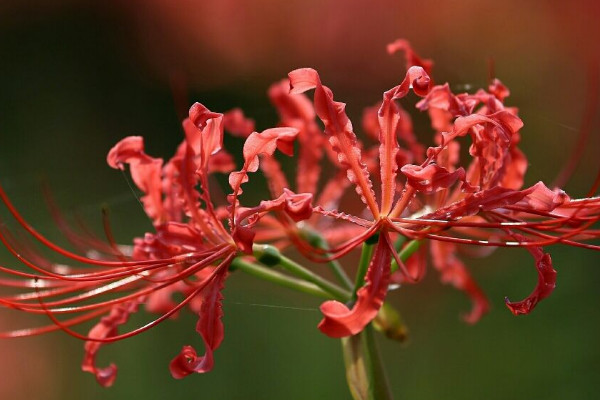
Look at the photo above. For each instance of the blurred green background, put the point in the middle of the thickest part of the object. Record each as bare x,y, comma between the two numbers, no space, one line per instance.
75,77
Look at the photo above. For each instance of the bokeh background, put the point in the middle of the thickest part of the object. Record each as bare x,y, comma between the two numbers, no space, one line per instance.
76,76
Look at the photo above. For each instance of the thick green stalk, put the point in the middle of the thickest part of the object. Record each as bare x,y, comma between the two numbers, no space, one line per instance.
363,264
365,374
269,255
406,252
278,278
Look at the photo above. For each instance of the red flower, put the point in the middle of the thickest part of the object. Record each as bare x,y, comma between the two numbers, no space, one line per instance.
437,199
189,252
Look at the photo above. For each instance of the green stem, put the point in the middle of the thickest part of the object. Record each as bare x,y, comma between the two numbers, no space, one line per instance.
363,264
271,256
408,250
379,386
318,241
278,278
364,370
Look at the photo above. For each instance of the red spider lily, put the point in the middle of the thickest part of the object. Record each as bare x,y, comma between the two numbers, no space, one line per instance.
189,252
438,200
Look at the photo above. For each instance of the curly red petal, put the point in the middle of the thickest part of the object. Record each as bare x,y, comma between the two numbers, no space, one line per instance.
107,327
388,119
483,200
498,89
297,111
454,272
203,133
125,151
431,178
210,328
262,143
236,123
339,321
545,285
412,58
145,171
338,128
543,199
296,206
290,106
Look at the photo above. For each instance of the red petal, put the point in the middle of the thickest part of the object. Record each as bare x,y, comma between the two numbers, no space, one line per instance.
498,89
290,106
275,177
127,150
484,200
296,110
262,143
303,79
221,162
107,327
236,123
145,172
388,118
339,130
210,328
454,272
516,166
544,287
412,58
431,178
340,321
297,206
203,133
440,97
543,199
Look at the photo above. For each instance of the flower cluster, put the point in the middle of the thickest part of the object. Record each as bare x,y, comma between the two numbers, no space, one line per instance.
413,199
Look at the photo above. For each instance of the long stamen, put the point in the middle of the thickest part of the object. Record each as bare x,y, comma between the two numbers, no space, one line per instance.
145,327
42,239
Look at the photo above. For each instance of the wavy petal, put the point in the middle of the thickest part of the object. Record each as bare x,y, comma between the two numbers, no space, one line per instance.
339,321
440,97
290,106
296,110
339,130
276,180
262,143
545,285
107,327
484,200
497,88
210,328
412,58
296,206
145,171
203,132
431,178
388,118
515,168
454,272
236,123
543,199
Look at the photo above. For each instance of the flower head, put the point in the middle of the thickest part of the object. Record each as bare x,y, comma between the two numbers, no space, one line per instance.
189,252
481,204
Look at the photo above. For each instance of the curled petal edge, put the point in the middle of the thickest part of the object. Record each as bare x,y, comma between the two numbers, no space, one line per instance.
545,285
340,321
210,328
